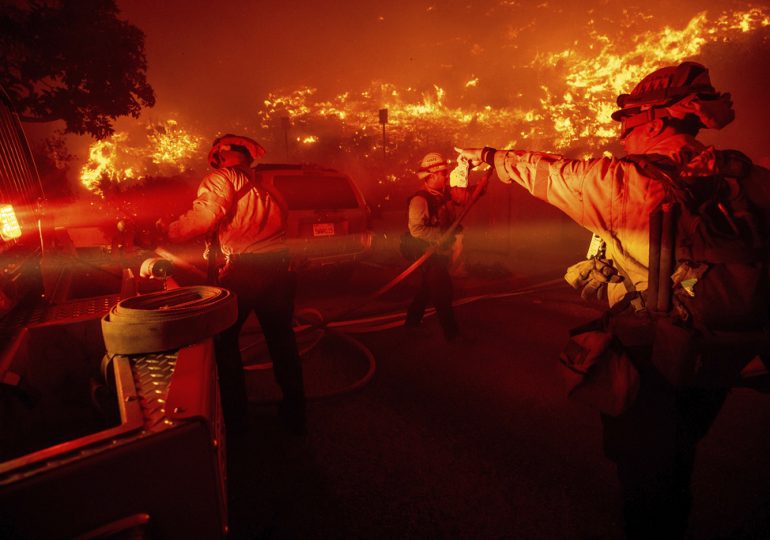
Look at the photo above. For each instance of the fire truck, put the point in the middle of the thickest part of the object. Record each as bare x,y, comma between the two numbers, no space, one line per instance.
94,443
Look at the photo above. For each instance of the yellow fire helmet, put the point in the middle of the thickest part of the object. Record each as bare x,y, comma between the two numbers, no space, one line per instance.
432,163
675,92
226,141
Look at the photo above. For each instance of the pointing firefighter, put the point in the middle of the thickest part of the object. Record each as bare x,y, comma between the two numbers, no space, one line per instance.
675,284
246,222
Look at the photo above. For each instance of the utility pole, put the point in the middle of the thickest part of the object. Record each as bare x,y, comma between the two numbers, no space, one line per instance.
383,121
285,125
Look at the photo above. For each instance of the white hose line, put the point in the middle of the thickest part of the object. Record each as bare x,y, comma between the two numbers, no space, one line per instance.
400,315
356,385
387,321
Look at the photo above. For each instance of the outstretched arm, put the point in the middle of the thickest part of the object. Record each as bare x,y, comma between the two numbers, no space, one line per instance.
583,189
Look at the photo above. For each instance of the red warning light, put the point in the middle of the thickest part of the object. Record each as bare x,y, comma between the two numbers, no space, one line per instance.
9,225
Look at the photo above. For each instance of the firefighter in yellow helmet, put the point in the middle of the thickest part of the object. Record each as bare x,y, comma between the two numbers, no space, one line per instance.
246,224
651,428
431,212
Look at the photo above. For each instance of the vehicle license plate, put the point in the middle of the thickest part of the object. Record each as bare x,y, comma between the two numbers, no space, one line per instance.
323,229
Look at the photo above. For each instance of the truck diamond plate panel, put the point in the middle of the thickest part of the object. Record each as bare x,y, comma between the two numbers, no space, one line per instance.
152,375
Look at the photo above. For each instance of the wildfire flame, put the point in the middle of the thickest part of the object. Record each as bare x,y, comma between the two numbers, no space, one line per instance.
576,108
100,167
410,111
594,79
570,114
171,144
168,149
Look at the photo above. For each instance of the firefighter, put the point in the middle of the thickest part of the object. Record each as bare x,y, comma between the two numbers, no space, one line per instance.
653,441
247,222
431,212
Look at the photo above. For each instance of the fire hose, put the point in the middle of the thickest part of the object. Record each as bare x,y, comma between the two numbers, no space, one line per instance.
165,320
477,192
320,323
376,323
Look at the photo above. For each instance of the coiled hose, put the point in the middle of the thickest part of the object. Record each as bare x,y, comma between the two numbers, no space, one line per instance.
165,320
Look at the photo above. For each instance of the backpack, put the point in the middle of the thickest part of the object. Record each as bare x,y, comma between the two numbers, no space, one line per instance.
708,258
412,248
706,312
708,276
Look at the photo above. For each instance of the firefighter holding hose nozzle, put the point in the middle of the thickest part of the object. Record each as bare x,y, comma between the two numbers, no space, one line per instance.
683,265
432,210
246,221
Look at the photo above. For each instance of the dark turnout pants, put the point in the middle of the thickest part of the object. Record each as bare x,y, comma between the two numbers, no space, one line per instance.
264,285
653,445
436,288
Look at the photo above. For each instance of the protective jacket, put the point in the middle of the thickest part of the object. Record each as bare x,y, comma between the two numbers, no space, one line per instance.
250,218
613,197
427,215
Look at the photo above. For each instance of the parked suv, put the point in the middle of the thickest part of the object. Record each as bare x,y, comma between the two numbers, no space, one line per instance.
329,221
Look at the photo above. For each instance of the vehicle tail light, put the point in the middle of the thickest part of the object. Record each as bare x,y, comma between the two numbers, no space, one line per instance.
9,225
